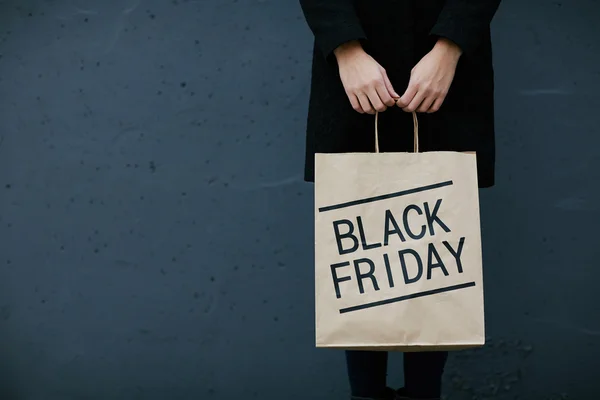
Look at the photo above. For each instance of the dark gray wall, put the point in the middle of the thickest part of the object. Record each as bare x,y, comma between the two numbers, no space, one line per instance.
156,237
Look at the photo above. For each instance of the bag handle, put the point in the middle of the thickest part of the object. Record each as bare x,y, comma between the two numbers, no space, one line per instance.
415,132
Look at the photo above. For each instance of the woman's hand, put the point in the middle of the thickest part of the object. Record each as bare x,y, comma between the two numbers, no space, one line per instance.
431,78
366,83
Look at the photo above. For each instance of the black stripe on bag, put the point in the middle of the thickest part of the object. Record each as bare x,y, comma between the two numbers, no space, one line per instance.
386,196
407,297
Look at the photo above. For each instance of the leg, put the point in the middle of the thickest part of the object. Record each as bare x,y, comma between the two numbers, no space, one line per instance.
423,373
367,372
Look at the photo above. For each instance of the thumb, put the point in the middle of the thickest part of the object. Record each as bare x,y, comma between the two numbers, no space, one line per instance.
389,86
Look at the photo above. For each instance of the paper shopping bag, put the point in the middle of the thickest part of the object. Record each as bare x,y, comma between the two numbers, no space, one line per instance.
398,262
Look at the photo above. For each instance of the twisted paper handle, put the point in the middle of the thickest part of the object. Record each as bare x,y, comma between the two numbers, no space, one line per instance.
415,132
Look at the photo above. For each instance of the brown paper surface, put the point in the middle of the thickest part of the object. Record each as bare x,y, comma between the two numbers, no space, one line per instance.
361,193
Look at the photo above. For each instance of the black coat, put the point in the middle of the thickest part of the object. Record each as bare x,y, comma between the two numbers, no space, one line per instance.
398,33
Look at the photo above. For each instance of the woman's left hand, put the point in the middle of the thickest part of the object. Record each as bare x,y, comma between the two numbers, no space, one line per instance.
431,78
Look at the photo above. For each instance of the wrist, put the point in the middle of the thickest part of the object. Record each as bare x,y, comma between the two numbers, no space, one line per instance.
449,48
348,49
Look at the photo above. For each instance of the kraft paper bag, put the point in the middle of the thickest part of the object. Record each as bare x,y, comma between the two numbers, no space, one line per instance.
398,251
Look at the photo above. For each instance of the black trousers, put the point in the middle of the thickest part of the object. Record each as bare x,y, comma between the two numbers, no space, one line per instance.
367,372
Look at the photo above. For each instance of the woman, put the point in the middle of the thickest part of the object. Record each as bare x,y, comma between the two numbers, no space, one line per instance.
399,56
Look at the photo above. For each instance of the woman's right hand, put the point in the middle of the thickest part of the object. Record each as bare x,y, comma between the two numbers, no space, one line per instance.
365,81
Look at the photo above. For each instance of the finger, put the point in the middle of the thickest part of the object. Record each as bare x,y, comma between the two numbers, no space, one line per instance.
415,102
365,104
389,86
375,100
426,104
384,95
436,105
355,103
408,96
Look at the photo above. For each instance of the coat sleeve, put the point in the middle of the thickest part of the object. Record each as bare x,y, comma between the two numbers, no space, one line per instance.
465,22
333,22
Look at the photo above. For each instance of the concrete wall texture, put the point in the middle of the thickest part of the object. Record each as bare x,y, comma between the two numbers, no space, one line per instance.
156,235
